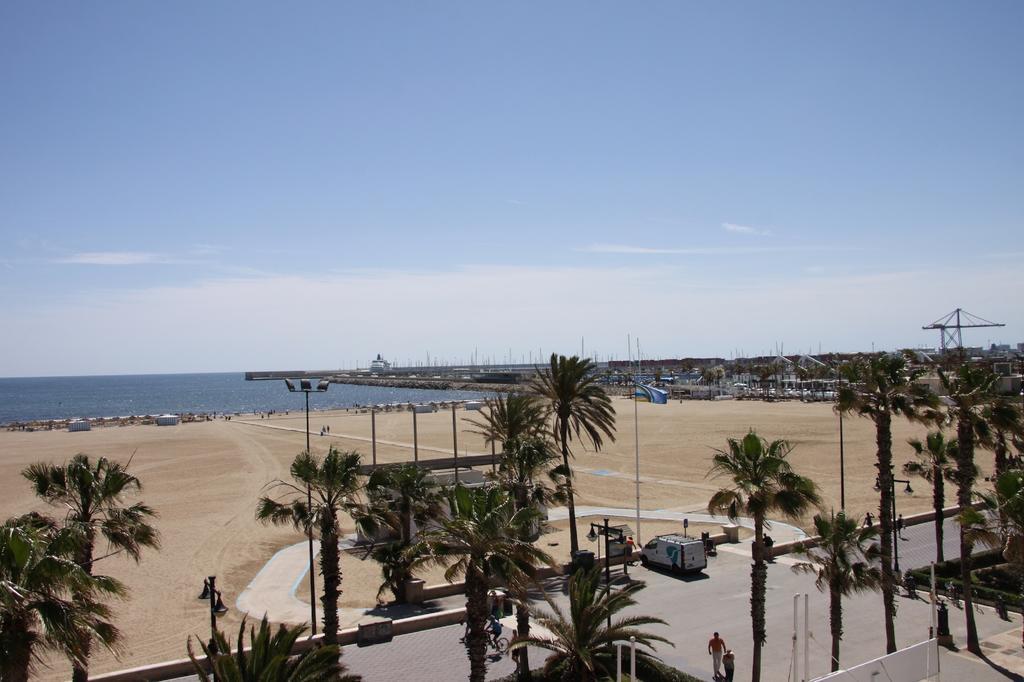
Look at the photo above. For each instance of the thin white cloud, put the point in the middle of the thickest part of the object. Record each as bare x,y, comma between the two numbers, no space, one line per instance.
123,258
746,229
209,317
630,249
111,258
206,249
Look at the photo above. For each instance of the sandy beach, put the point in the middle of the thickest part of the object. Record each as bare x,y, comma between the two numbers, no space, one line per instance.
205,478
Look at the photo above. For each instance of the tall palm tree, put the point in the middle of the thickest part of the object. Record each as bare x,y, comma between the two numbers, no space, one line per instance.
47,600
480,541
335,484
530,471
764,373
1006,502
1007,497
879,388
581,642
1006,425
762,483
93,494
581,407
400,496
934,463
971,391
841,563
1006,428
269,658
513,417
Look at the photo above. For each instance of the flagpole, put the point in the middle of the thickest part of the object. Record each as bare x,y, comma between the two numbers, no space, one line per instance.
636,431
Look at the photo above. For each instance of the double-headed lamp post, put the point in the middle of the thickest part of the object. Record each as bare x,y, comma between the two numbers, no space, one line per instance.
306,387
597,529
895,531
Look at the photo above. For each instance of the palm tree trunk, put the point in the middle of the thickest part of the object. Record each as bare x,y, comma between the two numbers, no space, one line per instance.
406,534
835,617
883,439
15,665
1000,452
1000,467
80,671
476,619
965,482
758,587
523,630
574,541
330,568
938,500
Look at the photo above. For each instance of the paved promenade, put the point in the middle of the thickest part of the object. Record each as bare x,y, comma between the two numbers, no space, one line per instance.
719,600
694,607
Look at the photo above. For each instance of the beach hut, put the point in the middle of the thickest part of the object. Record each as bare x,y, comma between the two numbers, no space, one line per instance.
473,405
167,420
79,425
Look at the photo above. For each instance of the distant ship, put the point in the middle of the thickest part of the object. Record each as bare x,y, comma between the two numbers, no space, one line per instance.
380,365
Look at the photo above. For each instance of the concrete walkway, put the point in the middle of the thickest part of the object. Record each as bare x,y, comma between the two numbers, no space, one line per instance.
275,589
780,531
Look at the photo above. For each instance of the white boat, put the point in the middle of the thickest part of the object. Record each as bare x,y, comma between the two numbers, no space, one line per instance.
380,365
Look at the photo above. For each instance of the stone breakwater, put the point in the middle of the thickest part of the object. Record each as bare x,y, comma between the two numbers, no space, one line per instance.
434,384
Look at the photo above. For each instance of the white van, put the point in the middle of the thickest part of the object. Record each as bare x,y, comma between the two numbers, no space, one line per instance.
675,552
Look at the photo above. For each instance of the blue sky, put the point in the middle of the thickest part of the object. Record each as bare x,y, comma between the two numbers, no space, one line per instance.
200,186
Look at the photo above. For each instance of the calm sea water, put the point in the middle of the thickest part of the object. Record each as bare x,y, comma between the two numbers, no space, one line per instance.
114,396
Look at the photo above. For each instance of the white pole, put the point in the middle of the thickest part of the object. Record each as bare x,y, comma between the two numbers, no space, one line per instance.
807,672
618,662
636,419
935,631
795,666
632,659
935,627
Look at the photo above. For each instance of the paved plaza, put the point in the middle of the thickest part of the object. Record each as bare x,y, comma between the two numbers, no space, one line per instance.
719,600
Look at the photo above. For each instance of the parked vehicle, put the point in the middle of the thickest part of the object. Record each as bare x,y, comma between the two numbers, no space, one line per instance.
675,552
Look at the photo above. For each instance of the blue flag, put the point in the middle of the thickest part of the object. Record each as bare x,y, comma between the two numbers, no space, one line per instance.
650,394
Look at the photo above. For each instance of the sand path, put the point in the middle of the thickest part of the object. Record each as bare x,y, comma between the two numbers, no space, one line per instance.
364,439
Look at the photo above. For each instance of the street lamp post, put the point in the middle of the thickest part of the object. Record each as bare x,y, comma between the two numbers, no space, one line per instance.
603,529
306,387
895,529
842,457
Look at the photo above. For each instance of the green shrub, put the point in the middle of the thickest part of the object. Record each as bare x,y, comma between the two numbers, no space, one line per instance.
991,578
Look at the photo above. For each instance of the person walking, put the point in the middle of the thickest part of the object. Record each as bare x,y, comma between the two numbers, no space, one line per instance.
716,647
729,663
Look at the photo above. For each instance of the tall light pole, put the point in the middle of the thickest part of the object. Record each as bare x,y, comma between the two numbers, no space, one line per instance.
306,387
842,454
895,529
